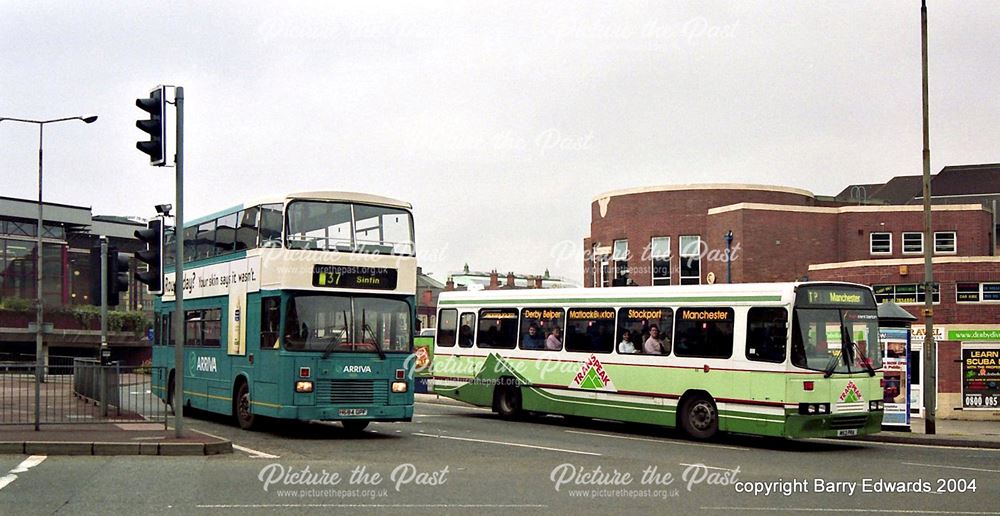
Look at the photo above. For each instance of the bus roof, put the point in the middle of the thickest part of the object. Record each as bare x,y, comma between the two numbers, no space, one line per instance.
328,195
737,292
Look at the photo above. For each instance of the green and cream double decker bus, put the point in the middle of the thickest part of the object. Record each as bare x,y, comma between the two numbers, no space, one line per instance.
297,307
793,360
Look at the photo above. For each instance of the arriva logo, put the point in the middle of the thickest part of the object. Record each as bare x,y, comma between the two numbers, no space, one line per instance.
357,369
206,364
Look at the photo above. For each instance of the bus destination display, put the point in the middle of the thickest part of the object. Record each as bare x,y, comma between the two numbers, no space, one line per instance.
347,276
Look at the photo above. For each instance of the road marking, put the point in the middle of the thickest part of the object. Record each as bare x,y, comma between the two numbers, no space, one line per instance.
951,467
660,441
387,506
254,454
23,467
866,511
882,443
520,445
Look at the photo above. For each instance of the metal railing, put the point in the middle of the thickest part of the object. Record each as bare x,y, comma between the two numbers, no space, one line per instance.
83,391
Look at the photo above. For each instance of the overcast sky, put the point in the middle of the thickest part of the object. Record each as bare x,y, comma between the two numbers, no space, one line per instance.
498,121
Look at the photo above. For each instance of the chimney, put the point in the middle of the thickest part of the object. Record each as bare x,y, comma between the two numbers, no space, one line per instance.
494,280
449,285
510,279
538,282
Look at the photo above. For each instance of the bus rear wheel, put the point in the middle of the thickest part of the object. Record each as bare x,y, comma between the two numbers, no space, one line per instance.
244,415
700,417
354,426
508,401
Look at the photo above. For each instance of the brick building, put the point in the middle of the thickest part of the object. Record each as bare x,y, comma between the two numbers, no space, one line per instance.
871,234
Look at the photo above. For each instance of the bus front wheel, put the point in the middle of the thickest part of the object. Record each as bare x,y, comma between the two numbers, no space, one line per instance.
508,401
244,414
700,417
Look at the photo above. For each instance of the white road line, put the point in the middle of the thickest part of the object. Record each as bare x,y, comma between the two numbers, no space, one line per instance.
660,441
866,511
520,445
387,506
883,443
951,467
23,467
255,454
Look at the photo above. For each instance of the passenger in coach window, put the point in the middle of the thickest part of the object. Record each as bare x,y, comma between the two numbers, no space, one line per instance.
533,339
554,342
654,344
626,346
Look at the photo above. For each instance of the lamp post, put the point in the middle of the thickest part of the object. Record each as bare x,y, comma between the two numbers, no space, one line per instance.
729,253
39,370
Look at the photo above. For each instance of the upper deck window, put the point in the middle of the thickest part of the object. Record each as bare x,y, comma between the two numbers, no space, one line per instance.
334,226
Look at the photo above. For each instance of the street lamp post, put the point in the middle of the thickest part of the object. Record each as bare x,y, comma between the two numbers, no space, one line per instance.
39,303
729,253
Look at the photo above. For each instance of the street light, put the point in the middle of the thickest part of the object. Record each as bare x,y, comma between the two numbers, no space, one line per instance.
729,254
39,375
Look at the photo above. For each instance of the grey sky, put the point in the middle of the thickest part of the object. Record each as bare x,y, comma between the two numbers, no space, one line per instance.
498,121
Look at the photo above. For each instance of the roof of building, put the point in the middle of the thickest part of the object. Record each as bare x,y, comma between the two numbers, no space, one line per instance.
967,180
705,186
899,190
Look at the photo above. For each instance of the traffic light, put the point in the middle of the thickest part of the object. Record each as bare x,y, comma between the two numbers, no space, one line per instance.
116,274
155,126
152,236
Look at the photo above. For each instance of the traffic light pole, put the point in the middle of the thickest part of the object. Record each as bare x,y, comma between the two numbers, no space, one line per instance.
102,360
178,401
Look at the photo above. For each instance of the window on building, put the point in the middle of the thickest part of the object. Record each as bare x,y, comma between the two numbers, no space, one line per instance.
546,322
636,324
908,293
619,256
590,330
913,243
690,257
944,242
767,334
704,332
497,328
880,243
659,250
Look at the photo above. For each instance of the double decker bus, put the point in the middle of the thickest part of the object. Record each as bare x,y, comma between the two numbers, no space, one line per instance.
792,360
296,307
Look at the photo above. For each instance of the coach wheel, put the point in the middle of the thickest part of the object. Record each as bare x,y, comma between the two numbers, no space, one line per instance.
700,418
508,401
244,415
354,426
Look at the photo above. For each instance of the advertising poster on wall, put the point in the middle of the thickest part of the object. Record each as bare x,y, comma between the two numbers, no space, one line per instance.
981,376
895,366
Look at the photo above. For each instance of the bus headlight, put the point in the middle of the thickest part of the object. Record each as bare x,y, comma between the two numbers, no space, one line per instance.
399,387
876,405
304,386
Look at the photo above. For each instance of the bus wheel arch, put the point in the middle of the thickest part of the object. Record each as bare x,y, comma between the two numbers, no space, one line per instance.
242,410
698,415
507,398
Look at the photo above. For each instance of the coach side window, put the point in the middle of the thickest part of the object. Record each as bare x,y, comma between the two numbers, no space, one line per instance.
270,225
537,325
497,328
246,234
465,333
447,324
704,332
590,330
767,334
270,319
636,326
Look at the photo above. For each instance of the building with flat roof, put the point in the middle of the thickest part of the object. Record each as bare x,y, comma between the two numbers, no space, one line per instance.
870,234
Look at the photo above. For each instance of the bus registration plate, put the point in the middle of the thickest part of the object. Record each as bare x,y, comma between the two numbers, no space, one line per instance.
352,412
847,433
